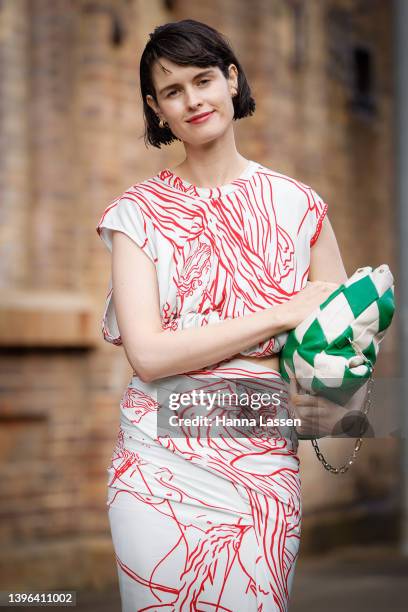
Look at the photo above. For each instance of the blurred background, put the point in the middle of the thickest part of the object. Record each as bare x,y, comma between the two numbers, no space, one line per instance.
329,80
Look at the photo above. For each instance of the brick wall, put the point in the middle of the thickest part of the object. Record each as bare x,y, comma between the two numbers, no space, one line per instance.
72,128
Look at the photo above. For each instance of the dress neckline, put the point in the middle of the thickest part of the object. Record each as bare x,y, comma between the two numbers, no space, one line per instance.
170,178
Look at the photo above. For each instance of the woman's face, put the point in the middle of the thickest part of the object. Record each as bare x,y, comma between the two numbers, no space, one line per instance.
186,91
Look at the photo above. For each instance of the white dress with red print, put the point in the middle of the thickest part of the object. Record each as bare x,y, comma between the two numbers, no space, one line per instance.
210,520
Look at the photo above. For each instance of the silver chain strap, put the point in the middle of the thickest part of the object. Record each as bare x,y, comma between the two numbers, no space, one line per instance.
346,466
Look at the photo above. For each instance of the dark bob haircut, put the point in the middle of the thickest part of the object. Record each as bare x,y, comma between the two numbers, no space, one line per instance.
188,43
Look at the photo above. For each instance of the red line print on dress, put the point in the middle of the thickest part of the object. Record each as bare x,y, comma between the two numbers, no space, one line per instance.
220,232
272,492
216,258
136,404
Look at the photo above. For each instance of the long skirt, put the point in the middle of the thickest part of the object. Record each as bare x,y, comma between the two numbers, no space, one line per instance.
206,517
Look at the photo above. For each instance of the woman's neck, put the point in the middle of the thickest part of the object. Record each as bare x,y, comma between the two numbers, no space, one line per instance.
215,163
212,175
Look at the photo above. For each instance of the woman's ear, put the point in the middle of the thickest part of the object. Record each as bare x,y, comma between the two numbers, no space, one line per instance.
152,103
233,79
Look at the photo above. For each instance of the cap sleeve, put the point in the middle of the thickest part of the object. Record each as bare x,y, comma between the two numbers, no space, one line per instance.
317,212
125,215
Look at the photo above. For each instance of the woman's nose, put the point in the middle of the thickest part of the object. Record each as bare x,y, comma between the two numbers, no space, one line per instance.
193,98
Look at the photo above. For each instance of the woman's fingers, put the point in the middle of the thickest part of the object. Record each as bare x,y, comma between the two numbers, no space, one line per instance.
292,383
319,416
303,399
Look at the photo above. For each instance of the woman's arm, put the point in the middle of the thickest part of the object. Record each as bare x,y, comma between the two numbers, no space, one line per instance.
154,353
325,259
319,416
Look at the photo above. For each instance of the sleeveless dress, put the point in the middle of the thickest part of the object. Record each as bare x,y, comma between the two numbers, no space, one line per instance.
210,521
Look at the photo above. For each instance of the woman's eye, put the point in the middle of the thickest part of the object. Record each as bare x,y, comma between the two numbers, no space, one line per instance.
174,91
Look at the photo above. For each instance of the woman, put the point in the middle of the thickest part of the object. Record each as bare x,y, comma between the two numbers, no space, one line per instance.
210,267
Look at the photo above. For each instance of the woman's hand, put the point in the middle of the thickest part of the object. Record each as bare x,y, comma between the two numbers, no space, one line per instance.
320,417
308,299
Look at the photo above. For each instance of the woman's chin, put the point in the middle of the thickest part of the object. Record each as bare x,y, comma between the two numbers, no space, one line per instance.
205,136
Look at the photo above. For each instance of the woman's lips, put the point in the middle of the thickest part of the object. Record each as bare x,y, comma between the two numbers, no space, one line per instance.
201,119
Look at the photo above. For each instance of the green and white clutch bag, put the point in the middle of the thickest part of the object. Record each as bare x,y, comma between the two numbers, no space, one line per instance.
333,352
